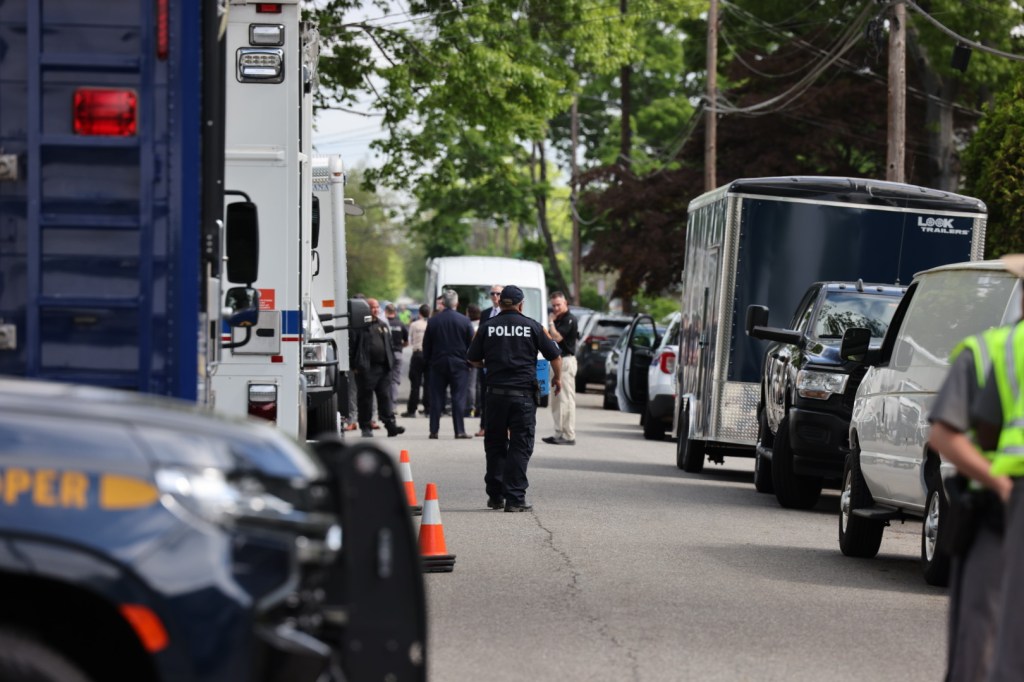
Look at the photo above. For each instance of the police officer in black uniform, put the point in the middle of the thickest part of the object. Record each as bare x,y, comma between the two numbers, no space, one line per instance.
506,345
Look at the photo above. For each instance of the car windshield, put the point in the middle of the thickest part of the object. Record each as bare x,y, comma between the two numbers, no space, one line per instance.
608,329
843,310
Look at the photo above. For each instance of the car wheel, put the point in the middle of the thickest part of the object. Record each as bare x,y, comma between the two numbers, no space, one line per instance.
323,419
610,401
689,453
581,385
25,659
792,491
858,537
654,428
545,400
762,466
934,561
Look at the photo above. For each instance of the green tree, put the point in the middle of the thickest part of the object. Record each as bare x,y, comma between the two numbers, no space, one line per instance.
993,165
375,242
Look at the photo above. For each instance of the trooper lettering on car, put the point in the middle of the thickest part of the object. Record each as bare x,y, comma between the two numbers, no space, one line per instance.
53,488
508,331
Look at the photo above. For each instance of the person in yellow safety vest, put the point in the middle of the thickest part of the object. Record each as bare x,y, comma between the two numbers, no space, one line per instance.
998,415
977,558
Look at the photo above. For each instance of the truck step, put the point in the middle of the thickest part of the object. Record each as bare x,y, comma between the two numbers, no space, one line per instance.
119,303
67,61
877,514
93,141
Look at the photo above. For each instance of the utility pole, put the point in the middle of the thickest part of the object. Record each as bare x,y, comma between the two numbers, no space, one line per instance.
577,279
711,113
895,158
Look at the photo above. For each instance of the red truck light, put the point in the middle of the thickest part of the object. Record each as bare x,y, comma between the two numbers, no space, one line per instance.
268,8
105,112
667,362
263,401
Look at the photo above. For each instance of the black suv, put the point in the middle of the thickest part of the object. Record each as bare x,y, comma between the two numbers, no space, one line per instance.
807,390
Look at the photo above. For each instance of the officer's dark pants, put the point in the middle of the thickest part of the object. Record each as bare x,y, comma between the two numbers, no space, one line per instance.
1009,655
974,606
375,381
453,373
417,365
508,444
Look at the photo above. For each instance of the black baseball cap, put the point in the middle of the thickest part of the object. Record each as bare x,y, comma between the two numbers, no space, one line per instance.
512,294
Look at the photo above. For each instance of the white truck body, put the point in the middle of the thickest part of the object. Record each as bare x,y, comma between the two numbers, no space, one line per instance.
271,76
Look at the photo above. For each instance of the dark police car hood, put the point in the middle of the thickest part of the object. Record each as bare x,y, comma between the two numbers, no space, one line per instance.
175,432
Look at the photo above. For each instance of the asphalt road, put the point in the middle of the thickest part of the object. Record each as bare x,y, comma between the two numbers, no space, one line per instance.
630,569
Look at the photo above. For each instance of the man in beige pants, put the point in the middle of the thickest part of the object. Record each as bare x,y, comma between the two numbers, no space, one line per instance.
564,330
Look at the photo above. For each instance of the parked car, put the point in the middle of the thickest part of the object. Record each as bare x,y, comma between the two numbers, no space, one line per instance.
146,539
647,379
611,374
596,340
890,472
807,390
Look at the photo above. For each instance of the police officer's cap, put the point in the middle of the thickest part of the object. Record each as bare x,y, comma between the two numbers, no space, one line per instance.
511,294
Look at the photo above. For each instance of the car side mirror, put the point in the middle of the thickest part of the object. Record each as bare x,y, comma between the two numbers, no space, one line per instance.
242,306
855,345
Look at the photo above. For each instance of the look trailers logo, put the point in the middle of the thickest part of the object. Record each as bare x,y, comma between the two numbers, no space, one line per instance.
939,226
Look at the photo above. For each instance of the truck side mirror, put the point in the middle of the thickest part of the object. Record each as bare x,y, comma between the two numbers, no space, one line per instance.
757,316
243,242
757,328
856,343
243,306
359,313
315,235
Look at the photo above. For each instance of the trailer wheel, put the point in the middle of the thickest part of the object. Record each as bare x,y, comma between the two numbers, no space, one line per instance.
763,467
934,561
323,420
792,491
25,659
858,537
689,454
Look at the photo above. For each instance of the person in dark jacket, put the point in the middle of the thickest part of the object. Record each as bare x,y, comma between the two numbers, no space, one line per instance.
506,346
371,360
445,342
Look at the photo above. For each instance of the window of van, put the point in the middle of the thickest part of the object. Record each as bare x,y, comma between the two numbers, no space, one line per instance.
480,295
948,307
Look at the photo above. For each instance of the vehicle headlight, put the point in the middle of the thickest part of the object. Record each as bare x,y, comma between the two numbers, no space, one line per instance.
820,385
314,352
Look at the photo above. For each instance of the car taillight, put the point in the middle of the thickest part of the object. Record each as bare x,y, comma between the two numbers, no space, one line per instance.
263,401
595,341
105,112
667,362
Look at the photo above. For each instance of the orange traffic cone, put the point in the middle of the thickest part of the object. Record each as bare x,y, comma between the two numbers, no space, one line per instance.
436,558
405,469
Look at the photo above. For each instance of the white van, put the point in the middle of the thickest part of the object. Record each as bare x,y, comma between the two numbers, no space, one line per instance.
890,472
472,278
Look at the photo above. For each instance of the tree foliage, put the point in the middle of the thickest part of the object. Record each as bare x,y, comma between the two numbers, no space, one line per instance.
471,90
994,171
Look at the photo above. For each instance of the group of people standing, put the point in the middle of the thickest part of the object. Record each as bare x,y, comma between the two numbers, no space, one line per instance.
503,345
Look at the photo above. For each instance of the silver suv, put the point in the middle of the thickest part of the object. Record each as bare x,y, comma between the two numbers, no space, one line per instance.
890,472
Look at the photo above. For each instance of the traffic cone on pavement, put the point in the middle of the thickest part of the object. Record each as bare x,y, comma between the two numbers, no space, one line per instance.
436,558
405,469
